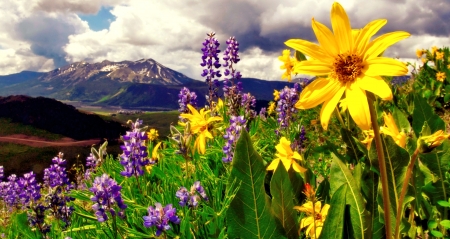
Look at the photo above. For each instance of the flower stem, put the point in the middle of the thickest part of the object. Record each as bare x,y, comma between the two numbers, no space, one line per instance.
382,165
399,214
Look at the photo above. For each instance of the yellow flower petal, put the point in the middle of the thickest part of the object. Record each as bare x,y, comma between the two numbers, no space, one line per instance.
273,165
367,32
329,106
298,168
385,66
308,48
318,91
375,85
325,38
358,106
312,67
381,43
341,28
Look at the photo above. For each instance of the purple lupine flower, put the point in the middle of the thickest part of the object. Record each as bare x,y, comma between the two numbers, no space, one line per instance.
398,81
2,172
106,195
36,218
190,198
299,143
56,175
57,203
10,191
186,97
134,156
263,113
160,217
231,57
231,135
248,102
92,161
30,190
210,53
285,108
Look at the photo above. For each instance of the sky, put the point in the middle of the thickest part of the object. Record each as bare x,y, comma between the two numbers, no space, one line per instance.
41,35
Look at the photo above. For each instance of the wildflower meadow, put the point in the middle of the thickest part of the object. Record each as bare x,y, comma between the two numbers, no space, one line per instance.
358,150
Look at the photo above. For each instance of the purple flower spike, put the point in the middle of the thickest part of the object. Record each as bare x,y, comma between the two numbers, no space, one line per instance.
232,135
210,53
134,156
186,97
106,196
285,108
29,188
190,198
183,195
2,172
56,175
160,217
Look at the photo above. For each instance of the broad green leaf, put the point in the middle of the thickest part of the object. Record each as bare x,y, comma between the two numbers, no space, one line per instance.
369,188
323,191
436,233
297,185
432,224
424,112
249,214
283,201
397,160
334,225
300,56
353,151
445,223
401,120
444,203
340,175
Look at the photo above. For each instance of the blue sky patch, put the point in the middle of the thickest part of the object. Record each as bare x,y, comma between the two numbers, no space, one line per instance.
100,21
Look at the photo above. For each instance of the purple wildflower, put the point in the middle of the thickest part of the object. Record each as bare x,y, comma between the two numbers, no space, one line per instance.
231,136
29,188
210,53
10,191
92,161
398,81
134,156
186,97
248,102
263,113
36,218
56,175
106,195
190,198
2,172
160,217
285,108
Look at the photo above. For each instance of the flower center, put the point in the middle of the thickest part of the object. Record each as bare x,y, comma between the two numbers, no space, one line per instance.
347,67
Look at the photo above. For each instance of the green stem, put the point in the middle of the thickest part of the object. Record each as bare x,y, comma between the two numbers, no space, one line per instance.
382,164
399,214
339,116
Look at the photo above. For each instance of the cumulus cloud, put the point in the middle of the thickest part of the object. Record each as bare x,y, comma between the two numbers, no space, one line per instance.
78,6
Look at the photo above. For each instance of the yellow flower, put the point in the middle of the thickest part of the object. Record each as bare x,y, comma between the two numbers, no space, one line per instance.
352,64
433,50
152,134
271,108
439,55
155,157
286,156
440,76
288,64
390,128
448,66
200,122
314,219
424,60
369,137
428,143
276,95
419,53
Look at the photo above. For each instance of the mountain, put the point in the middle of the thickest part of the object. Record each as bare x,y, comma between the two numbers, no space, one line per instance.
56,117
144,84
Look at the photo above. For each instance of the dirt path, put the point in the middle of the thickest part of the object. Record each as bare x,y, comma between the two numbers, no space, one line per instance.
40,142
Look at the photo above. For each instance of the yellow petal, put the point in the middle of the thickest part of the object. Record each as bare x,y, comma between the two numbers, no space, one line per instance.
308,48
155,150
329,106
273,165
375,85
324,210
306,222
298,168
326,38
297,156
385,67
286,163
341,28
358,106
367,32
381,43
200,144
318,91
193,110
313,67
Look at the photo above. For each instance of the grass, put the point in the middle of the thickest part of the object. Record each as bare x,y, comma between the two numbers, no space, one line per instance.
7,127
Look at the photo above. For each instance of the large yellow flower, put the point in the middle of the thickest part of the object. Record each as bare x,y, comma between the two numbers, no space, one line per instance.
199,124
288,64
286,156
319,214
351,63
390,128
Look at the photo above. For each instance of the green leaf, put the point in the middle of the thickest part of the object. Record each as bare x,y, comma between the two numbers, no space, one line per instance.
397,160
283,201
444,203
423,112
340,175
83,228
249,214
436,233
297,185
334,225
445,223
401,120
300,56
353,151
432,224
